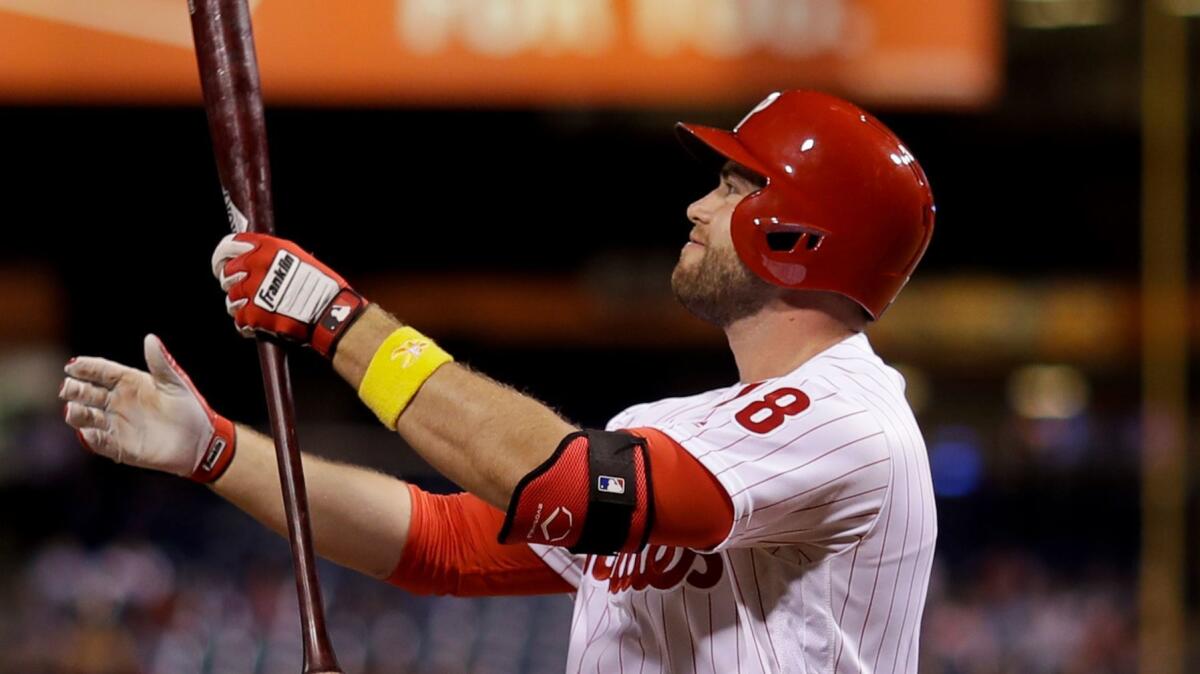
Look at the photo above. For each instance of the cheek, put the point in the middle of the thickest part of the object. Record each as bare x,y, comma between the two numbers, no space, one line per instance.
719,231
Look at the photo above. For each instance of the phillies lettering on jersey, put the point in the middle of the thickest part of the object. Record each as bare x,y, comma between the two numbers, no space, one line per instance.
827,564
656,566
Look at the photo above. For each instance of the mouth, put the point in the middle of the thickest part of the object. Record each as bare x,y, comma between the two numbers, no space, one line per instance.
693,246
692,238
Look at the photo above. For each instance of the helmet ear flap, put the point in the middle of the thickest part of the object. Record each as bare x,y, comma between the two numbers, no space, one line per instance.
743,230
771,244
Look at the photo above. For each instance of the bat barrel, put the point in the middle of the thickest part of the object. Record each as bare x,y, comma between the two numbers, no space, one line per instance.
233,99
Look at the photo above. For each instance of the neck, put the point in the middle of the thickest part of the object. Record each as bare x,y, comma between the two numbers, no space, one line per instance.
781,337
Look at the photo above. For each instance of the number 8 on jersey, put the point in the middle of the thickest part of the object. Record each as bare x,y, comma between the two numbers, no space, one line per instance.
769,413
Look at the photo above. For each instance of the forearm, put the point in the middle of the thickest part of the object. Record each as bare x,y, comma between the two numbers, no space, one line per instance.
359,517
480,434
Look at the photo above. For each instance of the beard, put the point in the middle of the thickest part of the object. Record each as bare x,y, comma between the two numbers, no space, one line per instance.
718,288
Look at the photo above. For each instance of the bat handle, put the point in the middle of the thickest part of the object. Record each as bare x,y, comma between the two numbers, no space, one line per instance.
319,657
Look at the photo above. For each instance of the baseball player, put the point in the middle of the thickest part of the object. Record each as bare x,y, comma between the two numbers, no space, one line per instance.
784,523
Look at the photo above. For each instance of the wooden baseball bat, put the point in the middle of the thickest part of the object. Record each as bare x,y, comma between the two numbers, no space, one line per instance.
233,100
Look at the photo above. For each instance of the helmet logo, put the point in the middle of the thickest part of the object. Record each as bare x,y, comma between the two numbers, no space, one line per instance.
766,103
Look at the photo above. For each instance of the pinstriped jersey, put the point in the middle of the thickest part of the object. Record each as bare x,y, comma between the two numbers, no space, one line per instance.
826,567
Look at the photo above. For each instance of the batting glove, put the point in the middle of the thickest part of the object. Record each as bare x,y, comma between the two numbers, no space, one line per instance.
272,286
154,420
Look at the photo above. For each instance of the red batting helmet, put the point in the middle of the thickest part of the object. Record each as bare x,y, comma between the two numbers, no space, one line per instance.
846,207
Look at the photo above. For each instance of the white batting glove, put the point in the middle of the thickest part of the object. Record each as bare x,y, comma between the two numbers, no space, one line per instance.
152,420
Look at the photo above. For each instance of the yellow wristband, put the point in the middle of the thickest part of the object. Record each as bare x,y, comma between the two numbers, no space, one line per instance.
398,369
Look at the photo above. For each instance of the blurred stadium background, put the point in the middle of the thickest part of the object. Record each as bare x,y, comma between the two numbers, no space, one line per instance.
502,173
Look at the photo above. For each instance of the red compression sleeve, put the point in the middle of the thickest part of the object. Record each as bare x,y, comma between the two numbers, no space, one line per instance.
452,549
691,508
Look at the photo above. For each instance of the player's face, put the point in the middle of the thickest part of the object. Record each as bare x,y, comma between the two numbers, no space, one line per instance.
709,279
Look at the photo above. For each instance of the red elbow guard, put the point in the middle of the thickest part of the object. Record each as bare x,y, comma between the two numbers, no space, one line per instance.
592,496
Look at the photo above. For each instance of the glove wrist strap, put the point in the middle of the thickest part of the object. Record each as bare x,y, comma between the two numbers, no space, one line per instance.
219,453
333,322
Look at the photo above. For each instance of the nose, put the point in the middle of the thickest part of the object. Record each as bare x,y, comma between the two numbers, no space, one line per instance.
700,210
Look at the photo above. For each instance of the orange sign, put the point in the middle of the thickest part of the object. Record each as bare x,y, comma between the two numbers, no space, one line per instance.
919,52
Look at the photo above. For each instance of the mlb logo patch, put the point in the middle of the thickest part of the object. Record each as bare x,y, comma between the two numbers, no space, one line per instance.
612,485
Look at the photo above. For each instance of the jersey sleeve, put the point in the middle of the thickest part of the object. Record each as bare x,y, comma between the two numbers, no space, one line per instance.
804,464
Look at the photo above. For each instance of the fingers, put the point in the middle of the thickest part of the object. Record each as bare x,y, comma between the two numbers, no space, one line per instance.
232,306
98,371
240,320
91,425
87,390
80,417
101,442
235,295
74,390
228,282
226,250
